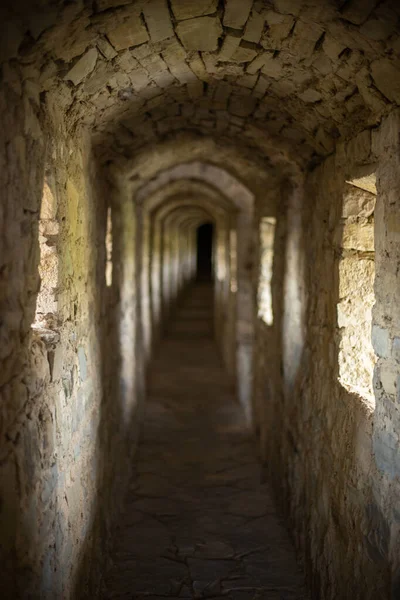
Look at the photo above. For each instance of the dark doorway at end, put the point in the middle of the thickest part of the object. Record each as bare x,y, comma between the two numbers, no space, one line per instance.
205,234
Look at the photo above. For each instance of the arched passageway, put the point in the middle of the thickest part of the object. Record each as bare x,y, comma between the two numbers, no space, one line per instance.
126,126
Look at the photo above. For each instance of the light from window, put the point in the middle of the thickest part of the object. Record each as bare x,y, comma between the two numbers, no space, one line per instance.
267,237
46,302
233,260
109,244
356,292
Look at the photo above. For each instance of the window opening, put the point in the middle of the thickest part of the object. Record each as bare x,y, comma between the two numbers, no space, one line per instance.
46,302
233,260
109,248
267,237
356,291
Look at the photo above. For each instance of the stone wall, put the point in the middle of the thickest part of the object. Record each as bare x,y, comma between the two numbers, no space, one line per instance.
51,377
59,455
331,455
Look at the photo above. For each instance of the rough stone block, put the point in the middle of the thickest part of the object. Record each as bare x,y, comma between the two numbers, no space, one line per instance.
241,106
98,79
324,140
174,57
157,70
386,75
291,7
198,68
356,277
358,237
236,13
187,9
130,33
357,11
230,45
304,38
322,64
82,363
381,24
371,96
389,377
279,27
158,20
261,86
83,67
357,202
248,81
195,89
396,349
393,226
254,27
387,136
283,88
272,67
106,49
310,96
243,55
201,33
259,62
106,4
386,453
380,341
126,61
332,47
55,358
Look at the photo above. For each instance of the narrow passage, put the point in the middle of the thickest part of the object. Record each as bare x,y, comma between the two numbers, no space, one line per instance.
199,519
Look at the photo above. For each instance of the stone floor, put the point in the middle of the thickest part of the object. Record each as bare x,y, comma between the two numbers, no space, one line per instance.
199,519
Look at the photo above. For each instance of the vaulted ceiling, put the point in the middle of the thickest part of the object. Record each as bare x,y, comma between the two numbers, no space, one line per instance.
279,78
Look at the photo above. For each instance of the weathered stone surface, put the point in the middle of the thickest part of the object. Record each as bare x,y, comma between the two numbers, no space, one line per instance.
242,106
287,6
310,95
271,67
130,33
380,341
254,27
386,76
304,38
229,46
279,28
83,67
358,11
201,33
236,13
243,55
332,52
186,9
106,49
158,20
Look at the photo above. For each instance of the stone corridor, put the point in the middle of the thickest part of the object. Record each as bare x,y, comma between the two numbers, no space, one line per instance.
130,130
199,520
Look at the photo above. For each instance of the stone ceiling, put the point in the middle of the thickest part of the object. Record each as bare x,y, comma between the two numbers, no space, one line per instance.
271,75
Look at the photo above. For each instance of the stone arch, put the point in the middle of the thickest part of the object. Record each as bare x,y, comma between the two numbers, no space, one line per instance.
160,205
243,200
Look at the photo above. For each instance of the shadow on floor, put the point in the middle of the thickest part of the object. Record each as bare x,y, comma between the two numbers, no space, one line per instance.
199,521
